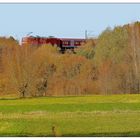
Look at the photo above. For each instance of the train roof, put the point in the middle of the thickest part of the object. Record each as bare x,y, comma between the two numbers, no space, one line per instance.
78,39
37,37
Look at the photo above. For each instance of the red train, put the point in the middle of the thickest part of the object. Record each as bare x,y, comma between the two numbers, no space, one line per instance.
62,43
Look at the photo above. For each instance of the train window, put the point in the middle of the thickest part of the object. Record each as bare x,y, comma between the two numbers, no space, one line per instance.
66,43
77,43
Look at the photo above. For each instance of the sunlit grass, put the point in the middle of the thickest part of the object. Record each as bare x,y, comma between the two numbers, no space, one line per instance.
114,115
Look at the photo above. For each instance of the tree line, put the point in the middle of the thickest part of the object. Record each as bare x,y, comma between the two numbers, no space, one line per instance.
111,65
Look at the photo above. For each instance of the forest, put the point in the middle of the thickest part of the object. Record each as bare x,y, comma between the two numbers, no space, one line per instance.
109,65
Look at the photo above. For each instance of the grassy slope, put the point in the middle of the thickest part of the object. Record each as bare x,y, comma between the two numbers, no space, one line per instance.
114,115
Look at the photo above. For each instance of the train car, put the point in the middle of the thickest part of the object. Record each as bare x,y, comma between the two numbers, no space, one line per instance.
54,41
32,41
38,41
63,43
69,43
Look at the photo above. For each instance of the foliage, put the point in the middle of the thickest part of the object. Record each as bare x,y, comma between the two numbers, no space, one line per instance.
111,45
88,49
107,65
115,60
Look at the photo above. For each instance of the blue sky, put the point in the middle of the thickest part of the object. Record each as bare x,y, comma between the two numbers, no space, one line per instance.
64,20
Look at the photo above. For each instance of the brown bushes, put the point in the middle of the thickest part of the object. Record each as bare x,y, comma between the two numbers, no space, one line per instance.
44,71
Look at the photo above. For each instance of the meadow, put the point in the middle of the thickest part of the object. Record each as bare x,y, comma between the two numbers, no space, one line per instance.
99,115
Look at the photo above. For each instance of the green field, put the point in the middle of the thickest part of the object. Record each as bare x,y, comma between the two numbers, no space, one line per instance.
112,115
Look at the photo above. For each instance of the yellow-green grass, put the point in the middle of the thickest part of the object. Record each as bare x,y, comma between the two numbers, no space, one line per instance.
112,115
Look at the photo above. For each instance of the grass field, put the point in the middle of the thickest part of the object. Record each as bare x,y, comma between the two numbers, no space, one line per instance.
113,115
